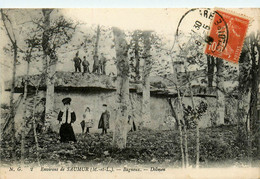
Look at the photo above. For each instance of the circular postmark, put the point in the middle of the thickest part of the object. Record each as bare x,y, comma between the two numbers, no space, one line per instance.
193,32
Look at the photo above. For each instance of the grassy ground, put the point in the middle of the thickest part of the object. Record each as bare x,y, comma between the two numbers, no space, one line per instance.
220,147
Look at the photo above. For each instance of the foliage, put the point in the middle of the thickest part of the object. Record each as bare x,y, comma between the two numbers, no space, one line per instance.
135,53
5,106
218,145
191,115
157,62
57,33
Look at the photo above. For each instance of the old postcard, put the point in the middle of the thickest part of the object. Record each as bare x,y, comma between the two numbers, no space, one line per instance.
166,92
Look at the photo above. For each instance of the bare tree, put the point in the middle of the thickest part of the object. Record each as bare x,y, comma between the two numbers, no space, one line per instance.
24,113
97,40
177,116
49,64
53,37
251,79
210,65
255,72
11,35
96,66
34,116
33,44
220,91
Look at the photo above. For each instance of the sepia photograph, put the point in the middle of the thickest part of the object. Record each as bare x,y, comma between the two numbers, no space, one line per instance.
130,89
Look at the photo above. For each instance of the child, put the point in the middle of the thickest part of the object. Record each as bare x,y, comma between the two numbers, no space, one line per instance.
87,116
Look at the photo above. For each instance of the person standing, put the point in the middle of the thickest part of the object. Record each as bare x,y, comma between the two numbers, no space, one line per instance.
131,123
77,62
85,65
95,65
66,117
99,67
87,116
82,124
103,61
104,120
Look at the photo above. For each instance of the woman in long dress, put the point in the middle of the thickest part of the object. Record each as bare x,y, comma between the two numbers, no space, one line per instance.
66,117
87,117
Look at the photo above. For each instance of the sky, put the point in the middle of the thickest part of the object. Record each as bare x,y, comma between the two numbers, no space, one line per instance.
161,20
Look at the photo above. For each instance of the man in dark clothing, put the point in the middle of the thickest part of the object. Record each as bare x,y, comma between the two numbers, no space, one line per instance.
66,117
77,62
131,123
95,65
83,123
85,65
104,120
103,61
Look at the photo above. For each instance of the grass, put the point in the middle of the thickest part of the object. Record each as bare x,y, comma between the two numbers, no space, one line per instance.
219,147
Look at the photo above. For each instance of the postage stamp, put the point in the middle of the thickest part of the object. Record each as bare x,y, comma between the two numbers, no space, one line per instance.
228,31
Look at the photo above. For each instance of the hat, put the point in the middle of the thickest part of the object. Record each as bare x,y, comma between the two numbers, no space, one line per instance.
104,105
66,101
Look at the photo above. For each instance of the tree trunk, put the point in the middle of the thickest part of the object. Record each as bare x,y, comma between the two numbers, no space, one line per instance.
197,131
244,97
97,40
184,130
180,115
253,126
34,123
49,107
210,64
249,140
185,155
137,57
122,90
46,36
96,68
257,126
196,121
243,89
220,93
12,115
186,145
176,115
254,88
50,66
24,113
146,114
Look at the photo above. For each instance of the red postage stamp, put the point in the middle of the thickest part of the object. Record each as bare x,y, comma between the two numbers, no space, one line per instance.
227,35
